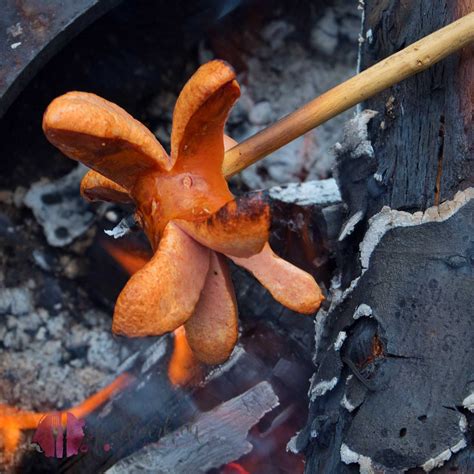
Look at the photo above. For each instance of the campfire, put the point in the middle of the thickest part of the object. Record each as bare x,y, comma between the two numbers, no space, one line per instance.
270,365
173,301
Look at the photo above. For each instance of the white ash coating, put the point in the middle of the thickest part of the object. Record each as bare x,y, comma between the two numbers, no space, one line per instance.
214,438
363,310
347,404
468,403
322,388
59,208
351,457
444,456
341,337
322,192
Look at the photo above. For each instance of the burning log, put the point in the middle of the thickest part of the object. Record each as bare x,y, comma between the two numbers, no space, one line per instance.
244,368
211,440
129,423
130,420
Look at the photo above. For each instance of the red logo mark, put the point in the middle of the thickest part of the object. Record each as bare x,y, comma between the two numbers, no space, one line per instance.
58,434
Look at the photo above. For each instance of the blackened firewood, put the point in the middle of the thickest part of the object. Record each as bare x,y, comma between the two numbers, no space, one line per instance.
213,439
394,354
422,136
405,325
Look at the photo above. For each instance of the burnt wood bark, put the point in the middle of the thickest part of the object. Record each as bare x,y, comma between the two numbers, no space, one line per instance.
393,353
422,136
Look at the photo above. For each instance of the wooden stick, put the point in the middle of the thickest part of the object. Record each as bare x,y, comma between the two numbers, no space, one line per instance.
407,62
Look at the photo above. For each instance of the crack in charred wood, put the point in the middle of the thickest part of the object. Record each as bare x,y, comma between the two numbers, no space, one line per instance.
440,159
366,383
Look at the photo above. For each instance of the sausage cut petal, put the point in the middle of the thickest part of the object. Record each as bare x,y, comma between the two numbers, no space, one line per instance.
197,138
163,294
240,228
212,330
289,285
104,137
95,187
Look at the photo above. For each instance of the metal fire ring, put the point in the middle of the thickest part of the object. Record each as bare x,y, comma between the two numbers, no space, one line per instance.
32,31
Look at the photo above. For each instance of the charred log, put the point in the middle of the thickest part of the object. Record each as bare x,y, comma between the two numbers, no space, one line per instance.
391,389
214,438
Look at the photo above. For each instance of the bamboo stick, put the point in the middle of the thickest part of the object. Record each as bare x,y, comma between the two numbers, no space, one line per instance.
409,61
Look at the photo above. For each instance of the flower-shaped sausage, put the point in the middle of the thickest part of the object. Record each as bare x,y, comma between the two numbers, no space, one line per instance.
185,208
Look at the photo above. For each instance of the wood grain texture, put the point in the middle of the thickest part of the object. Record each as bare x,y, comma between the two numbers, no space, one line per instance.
422,136
213,439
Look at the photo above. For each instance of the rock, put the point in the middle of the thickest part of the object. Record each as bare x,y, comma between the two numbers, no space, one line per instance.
60,209
56,325
52,351
96,318
50,296
43,260
79,339
41,334
16,340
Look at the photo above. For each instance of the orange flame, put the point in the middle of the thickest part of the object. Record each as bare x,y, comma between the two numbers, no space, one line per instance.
131,262
183,366
13,421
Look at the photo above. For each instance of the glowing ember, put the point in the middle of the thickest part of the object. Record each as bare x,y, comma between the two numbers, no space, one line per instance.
234,468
